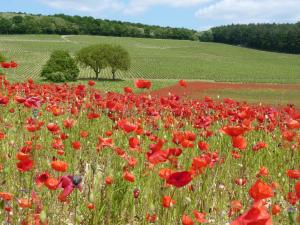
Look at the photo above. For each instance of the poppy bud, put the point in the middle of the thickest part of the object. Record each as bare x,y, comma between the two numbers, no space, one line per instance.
136,193
91,197
43,217
76,180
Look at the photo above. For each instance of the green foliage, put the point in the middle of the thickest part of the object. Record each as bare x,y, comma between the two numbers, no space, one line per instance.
14,23
94,57
56,76
206,36
100,56
118,59
272,37
60,67
2,58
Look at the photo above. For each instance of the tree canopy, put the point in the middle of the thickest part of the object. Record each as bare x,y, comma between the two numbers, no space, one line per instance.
21,23
118,59
271,37
100,56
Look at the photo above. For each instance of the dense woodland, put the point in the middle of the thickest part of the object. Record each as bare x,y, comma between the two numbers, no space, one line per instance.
19,23
271,37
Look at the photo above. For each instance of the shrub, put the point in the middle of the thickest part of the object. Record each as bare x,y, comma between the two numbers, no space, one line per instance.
57,77
60,67
2,58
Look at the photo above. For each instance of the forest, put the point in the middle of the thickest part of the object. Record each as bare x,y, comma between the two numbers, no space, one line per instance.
20,23
270,37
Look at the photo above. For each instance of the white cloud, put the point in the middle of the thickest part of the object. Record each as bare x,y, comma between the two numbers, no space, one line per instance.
85,5
250,11
127,7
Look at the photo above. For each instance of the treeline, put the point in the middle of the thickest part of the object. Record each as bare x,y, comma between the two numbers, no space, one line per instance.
271,37
19,23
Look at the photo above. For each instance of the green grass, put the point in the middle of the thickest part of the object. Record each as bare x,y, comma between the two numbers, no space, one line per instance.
160,59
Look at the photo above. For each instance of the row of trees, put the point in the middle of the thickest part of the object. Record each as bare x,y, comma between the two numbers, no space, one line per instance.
271,37
63,67
63,24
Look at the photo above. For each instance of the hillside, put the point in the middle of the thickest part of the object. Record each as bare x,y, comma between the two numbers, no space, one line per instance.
161,59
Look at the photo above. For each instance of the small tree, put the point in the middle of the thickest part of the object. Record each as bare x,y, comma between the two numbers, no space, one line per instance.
94,57
60,67
118,59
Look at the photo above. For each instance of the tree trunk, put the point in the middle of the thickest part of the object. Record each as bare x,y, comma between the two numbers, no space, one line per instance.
97,75
114,74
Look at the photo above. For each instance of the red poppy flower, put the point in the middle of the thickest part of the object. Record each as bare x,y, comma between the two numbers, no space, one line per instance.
239,142
142,84
259,145
108,180
51,183
236,206
261,190
182,83
293,124
6,196
69,123
25,165
179,179
292,198
276,209
127,90
52,127
167,201
186,220
13,64
156,157
293,174
134,142
59,166
233,131
24,203
203,146
128,176
151,218
41,178
297,188
127,126
200,217
76,145
5,65
91,83
4,100
256,215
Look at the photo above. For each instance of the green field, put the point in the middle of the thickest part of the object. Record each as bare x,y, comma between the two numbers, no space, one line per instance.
160,59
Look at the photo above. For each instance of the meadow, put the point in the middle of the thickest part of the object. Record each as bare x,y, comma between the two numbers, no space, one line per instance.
160,59
73,155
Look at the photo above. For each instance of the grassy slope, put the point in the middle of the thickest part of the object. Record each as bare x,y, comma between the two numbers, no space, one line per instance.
162,59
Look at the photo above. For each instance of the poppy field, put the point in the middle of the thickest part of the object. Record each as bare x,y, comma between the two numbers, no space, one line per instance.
71,154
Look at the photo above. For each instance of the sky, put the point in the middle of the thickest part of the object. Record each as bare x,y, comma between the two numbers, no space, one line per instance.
194,14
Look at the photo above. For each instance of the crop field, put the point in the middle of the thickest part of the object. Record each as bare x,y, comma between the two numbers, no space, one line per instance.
160,59
71,154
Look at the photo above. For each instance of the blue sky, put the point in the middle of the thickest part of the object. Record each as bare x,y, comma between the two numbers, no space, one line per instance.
196,14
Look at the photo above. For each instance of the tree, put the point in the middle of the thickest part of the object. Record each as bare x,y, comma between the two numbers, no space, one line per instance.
60,67
118,59
94,57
